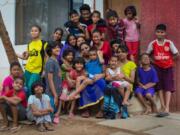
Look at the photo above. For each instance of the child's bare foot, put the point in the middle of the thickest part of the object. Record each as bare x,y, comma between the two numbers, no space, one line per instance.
99,115
154,108
126,103
85,114
71,115
48,127
147,111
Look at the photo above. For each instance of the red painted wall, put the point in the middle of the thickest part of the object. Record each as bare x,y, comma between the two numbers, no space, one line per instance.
154,12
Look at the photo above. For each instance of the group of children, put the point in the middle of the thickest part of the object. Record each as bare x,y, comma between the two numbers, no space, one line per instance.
59,78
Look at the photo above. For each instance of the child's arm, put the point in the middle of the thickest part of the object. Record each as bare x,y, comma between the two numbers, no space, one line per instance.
149,85
100,56
87,34
108,77
98,76
131,78
13,100
71,81
23,56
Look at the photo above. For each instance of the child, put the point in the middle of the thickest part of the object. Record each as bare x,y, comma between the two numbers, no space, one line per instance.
98,24
57,36
13,104
115,77
35,56
74,26
52,75
163,51
80,40
101,45
132,27
115,26
15,71
39,107
147,79
85,17
114,45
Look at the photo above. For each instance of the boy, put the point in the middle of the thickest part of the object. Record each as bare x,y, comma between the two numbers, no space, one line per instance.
74,26
115,26
147,79
163,51
13,104
85,17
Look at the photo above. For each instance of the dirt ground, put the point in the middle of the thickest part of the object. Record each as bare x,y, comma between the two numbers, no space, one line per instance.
67,127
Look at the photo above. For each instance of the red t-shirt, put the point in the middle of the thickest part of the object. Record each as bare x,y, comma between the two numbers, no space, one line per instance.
21,94
74,74
106,49
90,29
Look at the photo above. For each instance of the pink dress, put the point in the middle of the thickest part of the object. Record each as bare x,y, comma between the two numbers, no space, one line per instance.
7,82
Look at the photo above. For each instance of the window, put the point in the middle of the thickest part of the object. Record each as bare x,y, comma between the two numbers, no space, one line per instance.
48,14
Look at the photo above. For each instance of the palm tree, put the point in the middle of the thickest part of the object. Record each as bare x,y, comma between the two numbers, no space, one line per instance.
6,42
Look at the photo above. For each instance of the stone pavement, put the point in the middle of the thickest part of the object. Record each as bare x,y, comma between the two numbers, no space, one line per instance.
146,125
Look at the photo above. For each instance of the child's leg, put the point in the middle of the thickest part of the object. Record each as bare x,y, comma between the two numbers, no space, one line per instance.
126,95
71,112
100,112
4,115
58,109
150,98
161,97
143,102
167,100
14,115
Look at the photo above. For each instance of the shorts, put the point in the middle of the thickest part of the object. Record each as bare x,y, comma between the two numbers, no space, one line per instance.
144,92
166,79
122,84
21,111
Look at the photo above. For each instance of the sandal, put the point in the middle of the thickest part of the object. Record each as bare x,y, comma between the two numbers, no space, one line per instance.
15,129
41,128
56,120
71,115
162,114
99,115
4,128
48,127
85,114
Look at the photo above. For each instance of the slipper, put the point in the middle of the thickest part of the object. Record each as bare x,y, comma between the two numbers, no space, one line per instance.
85,114
15,129
4,128
56,120
162,114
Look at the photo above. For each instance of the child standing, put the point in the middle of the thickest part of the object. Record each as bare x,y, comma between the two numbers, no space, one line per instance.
163,51
147,79
57,36
15,71
85,17
115,26
13,104
35,56
52,75
132,27
39,107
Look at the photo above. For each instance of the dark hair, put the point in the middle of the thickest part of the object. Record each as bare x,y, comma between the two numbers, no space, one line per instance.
35,84
93,49
20,78
113,56
51,45
111,13
37,26
96,12
131,9
123,48
59,29
68,37
116,41
84,43
96,31
143,55
85,7
78,60
161,27
73,12
15,63
67,52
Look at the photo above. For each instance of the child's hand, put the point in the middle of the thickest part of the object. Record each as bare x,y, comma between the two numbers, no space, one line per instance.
100,53
25,54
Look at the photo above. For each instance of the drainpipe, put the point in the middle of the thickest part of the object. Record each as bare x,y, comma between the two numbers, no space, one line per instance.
94,4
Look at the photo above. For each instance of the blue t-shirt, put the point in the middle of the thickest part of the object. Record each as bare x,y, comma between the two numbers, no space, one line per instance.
94,67
147,76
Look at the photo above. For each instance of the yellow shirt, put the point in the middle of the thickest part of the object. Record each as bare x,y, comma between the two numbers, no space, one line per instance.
34,62
127,68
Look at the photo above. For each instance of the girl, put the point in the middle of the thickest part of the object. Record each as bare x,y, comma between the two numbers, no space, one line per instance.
35,56
116,78
39,108
132,28
128,69
57,36
98,24
101,45
84,51
114,45
80,40
15,71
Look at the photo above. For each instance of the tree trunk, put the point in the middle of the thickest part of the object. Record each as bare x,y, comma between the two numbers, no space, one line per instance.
6,42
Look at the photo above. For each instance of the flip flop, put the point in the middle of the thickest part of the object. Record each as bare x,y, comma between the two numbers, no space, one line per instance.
4,128
162,114
56,120
15,129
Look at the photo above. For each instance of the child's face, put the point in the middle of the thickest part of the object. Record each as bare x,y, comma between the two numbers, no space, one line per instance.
79,66
57,35
72,41
74,18
15,71
85,49
93,55
112,21
121,54
55,51
35,33
95,18
115,47
145,60
38,89
129,15
113,62
18,84
79,41
70,57
85,14
96,37
160,34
